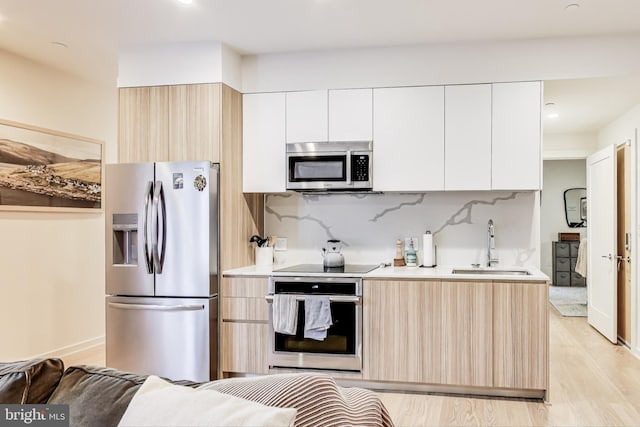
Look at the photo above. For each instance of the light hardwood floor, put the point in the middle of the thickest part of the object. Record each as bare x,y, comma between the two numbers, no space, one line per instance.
593,383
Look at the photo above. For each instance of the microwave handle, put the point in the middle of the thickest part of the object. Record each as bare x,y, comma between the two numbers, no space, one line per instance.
348,181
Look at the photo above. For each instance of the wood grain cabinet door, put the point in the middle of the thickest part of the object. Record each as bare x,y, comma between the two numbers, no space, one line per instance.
402,331
195,122
244,314
143,124
520,336
466,333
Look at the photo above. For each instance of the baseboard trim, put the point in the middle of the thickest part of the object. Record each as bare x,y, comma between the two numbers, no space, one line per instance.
73,348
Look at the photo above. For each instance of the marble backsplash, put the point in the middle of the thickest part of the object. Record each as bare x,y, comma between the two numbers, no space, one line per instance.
369,225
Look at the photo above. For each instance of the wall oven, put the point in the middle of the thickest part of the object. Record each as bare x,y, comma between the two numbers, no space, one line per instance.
342,348
330,166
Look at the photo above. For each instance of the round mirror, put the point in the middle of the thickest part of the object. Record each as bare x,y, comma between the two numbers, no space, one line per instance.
575,207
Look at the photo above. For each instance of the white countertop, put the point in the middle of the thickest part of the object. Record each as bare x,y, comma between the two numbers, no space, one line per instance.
443,273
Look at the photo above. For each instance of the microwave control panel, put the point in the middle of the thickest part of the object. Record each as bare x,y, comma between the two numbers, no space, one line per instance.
360,167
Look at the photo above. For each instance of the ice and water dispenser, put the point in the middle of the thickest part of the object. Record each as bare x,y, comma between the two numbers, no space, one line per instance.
125,239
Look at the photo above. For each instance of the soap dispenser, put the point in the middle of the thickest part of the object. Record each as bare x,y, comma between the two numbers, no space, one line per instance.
412,258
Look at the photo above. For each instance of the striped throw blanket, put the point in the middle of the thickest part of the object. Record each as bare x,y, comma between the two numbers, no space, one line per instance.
319,401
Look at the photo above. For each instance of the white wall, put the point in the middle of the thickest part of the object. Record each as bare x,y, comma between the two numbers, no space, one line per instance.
564,146
52,264
620,130
559,175
370,224
179,63
540,59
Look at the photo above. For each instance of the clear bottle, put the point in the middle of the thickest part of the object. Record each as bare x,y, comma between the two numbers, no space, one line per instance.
412,258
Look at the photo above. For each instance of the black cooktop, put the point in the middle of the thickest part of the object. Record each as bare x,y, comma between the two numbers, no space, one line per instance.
319,268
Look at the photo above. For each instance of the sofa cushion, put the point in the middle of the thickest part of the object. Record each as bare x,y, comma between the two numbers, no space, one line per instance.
317,398
95,395
100,396
30,381
159,402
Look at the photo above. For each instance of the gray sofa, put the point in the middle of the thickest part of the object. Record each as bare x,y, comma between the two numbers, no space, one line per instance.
98,394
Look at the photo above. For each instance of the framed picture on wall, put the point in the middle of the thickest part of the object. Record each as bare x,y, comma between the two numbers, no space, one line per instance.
47,170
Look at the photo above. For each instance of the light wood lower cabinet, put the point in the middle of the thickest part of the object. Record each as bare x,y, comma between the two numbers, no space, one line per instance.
245,326
244,347
402,331
520,336
463,334
467,333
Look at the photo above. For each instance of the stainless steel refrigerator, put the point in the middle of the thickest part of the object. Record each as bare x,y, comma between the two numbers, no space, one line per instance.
162,268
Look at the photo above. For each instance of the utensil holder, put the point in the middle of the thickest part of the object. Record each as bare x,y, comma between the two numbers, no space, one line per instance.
264,255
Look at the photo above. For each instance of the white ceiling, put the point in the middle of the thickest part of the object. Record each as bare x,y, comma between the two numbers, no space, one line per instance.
95,30
587,105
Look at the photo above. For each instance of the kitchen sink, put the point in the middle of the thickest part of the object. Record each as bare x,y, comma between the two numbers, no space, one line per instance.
490,271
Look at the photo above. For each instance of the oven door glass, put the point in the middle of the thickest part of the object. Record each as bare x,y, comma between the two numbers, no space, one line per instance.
341,336
317,168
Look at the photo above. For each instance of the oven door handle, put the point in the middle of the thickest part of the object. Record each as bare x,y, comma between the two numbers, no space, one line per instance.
334,298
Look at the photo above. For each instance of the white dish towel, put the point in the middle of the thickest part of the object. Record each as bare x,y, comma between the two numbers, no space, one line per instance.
317,316
581,262
285,314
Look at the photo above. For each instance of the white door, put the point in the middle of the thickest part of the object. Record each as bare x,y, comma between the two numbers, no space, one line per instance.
601,237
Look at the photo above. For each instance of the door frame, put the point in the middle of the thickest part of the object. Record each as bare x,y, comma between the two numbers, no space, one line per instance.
635,233
632,143
634,343
630,193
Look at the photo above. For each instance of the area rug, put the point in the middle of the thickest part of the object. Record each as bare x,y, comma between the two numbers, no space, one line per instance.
569,301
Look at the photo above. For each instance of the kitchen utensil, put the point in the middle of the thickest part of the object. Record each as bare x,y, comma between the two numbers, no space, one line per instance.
331,254
258,240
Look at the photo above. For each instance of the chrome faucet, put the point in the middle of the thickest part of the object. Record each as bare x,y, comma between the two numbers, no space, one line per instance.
491,245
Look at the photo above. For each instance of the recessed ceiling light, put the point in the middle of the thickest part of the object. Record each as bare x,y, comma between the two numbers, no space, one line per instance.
60,44
570,8
551,110
186,1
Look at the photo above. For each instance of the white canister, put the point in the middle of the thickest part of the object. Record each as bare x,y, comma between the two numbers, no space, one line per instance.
264,255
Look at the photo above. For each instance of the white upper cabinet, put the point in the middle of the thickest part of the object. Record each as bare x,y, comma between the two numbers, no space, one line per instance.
467,132
516,143
351,115
408,139
307,116
263,133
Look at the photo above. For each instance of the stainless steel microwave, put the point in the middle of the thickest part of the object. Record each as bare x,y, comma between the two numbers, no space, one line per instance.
330,166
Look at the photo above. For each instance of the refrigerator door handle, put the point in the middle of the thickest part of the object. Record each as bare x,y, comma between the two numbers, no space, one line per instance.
155,307
148,196
158,205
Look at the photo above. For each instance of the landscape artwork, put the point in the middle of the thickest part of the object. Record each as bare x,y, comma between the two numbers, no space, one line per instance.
41,169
